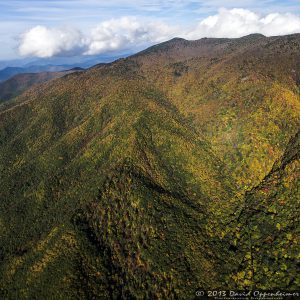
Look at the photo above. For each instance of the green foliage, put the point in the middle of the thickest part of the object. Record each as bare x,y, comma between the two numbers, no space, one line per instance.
128,180
271,229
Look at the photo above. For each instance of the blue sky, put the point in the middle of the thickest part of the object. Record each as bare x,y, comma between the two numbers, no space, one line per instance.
18,17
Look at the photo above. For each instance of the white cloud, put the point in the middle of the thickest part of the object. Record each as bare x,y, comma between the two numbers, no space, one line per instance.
239,22
132,33
126,32
41,41
115,34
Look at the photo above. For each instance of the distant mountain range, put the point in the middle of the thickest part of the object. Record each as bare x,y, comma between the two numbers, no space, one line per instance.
53,64
154,176
21,82
9,72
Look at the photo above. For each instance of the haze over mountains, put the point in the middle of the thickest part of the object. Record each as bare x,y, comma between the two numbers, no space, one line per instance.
17,84
19,75
152,176
53,64
9,72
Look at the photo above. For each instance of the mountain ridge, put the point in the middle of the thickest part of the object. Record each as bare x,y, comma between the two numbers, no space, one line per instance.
128,180
21,82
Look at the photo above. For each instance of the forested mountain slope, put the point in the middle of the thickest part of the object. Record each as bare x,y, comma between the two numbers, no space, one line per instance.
21,82
269,227
129,179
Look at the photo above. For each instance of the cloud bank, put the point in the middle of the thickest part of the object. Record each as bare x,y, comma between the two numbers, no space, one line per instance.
47,42
237,22
126,32
130,33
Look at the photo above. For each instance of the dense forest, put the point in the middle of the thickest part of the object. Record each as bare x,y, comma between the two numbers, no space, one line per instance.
153,176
